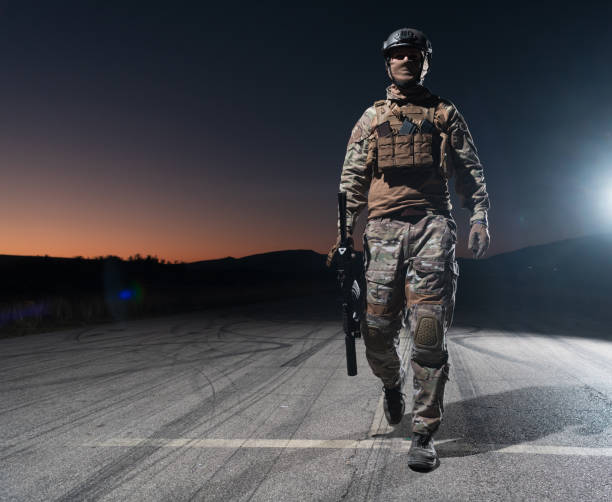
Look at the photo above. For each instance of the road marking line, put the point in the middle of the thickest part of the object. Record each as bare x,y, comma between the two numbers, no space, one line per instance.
557,450
239,443
398,443
378,430
377,443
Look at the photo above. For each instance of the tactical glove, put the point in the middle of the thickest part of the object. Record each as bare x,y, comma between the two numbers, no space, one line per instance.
479,240
334,249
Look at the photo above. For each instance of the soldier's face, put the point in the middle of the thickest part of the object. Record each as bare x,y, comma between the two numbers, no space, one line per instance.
405,65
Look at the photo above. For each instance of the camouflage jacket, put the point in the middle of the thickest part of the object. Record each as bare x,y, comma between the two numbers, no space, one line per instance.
418,190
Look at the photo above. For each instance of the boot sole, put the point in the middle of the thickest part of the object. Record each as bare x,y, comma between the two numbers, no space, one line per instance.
422,465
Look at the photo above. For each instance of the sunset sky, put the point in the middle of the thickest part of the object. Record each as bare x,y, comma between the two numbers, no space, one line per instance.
193,132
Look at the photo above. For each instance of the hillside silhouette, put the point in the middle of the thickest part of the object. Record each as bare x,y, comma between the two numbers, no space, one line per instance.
559,282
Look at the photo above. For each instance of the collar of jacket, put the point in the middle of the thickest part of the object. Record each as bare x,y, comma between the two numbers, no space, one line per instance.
414,94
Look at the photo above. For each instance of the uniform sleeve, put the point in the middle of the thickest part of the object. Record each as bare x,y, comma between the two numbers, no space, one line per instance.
356,173
469,182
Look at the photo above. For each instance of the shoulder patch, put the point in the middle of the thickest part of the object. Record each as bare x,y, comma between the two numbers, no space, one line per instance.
444,109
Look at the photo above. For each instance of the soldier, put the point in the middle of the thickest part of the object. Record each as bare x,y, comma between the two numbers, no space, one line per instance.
400,155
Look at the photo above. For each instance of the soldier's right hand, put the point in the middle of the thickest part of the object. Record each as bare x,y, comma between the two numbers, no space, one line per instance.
334,249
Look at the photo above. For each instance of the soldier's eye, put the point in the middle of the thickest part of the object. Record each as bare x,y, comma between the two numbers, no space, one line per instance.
411,57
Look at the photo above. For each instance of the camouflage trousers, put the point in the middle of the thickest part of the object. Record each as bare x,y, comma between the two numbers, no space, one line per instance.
411,275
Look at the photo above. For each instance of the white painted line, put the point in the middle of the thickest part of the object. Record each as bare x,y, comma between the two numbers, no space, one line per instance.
557,450
398,443
238,443
391,443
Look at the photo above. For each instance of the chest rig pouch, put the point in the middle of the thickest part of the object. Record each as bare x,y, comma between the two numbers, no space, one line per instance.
406,137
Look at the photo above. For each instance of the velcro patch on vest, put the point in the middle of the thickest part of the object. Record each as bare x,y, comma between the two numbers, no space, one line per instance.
408,127
384,129
427,127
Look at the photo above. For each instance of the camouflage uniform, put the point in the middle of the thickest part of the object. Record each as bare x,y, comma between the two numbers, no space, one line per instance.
409,240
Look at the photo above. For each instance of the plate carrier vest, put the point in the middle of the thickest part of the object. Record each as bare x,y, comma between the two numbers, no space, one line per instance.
409,137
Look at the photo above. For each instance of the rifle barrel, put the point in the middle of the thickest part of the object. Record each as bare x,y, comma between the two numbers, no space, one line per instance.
342,215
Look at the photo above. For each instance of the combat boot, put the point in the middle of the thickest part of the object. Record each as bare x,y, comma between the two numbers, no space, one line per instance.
422,455
394,405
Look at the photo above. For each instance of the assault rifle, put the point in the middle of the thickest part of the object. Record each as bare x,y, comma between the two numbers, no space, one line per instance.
352,293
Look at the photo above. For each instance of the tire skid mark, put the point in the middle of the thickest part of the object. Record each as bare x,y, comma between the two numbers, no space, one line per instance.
164,380
209,383
468,391
464,332
307,338
112,475
89,338
237,364
98,412
81,348
61,392
518,331
50,396
246,403
215,410
136,349
487,352
135,370
556,367
237,450
308,353
297,427
225,329
585,354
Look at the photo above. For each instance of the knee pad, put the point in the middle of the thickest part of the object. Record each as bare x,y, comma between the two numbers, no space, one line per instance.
428,347
428,332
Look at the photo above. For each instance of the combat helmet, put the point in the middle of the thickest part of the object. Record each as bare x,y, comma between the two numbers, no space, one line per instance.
409,37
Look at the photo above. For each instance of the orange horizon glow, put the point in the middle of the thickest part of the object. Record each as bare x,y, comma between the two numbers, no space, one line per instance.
95,248
64,201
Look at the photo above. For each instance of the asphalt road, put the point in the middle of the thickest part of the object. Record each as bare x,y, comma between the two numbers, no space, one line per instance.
255,404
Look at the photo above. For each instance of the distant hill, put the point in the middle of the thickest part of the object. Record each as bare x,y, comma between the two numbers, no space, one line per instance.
41,292
570,275
277,265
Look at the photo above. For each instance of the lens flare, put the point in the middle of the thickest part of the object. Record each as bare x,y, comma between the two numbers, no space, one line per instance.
134,292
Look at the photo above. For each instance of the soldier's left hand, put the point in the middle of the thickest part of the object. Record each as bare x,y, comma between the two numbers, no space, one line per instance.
479,240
